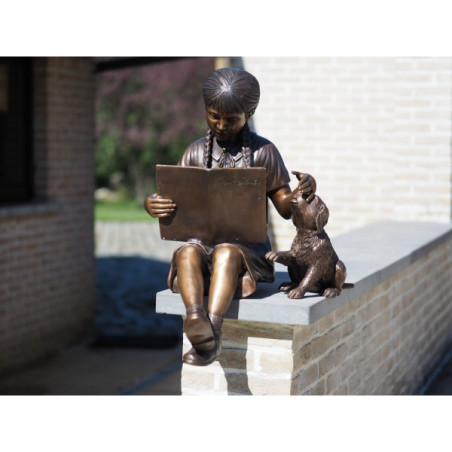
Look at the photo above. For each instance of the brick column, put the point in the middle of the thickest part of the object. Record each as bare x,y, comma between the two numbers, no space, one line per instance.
256,359
384,336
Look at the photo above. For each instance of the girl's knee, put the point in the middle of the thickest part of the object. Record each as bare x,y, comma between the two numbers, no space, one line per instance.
188,252
227,254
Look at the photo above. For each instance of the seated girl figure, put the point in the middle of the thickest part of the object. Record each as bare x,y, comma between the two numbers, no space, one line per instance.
225,270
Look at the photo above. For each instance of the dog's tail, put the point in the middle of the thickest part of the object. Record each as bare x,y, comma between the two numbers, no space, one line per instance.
348,285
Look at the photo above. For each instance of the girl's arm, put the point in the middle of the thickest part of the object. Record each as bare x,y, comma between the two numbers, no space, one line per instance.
282,196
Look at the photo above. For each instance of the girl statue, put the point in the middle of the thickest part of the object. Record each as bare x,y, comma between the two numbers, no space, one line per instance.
226,270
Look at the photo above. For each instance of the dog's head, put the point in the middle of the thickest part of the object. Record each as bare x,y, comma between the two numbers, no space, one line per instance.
312,216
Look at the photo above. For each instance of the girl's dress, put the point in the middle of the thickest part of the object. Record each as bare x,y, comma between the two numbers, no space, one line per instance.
266,155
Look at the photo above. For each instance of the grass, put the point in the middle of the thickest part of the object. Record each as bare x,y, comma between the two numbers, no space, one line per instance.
120,210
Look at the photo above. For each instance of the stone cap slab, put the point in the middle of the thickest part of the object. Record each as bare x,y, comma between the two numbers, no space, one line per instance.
372,254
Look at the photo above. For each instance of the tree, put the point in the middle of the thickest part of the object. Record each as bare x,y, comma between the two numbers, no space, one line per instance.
144,116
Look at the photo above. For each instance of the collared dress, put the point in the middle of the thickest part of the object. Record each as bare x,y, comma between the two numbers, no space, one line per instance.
256,268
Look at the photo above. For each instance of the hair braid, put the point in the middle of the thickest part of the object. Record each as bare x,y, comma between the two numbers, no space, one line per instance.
207,156
247,153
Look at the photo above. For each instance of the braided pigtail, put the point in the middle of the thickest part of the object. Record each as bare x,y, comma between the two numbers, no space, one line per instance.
247,153
207,156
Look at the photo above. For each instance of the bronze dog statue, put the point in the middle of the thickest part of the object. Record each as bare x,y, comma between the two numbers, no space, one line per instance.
312,263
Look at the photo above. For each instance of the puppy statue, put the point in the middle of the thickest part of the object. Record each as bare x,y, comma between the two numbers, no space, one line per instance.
312,263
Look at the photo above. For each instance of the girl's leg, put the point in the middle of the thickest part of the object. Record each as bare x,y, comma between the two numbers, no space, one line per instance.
227,265
191,266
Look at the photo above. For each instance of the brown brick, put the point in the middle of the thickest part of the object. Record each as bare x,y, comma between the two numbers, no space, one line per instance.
333,382
305,378
233,358
323,343
318,389
302,357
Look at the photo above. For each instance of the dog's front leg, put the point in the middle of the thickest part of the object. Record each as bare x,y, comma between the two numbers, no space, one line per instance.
306,284
283,257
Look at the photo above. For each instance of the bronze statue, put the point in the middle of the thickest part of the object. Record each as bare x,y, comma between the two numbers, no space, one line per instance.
312,263
225,270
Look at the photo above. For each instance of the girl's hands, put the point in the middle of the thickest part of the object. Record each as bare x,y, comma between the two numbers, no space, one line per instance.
306,184
158,207
282,197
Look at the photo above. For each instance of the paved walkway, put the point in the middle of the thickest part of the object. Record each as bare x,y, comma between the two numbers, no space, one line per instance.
440,382
132,239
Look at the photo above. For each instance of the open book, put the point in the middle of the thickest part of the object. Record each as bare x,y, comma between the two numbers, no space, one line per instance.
214,205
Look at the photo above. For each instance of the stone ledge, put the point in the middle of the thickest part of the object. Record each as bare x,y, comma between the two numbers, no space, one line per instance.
372,255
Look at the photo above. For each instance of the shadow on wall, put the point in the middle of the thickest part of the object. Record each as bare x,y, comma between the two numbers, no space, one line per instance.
125,313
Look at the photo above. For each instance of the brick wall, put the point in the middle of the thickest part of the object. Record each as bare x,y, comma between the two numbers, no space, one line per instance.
47,267
385,341
375,132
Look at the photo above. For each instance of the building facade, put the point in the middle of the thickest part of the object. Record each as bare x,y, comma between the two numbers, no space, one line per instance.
375,132
47,265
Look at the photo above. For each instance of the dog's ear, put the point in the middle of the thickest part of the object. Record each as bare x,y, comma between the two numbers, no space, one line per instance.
322,218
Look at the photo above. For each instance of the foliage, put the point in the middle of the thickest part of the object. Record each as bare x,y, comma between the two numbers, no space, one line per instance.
147,115
120,210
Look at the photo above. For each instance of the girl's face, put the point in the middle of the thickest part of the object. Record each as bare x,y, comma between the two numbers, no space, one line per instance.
225,126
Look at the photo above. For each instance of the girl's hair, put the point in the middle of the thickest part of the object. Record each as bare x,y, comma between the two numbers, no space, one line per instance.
231,90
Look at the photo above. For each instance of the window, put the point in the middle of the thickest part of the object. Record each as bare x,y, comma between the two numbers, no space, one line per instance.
16,155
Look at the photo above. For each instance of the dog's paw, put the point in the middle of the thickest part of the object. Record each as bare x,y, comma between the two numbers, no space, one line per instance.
296,293
286,286
331,292
272,256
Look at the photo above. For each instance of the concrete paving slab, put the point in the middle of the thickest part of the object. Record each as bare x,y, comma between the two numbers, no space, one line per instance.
87,370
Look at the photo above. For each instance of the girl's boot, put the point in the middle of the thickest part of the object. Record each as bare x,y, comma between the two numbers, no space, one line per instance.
197,357
198,329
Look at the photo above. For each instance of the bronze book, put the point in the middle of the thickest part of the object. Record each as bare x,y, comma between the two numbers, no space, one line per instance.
214,205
